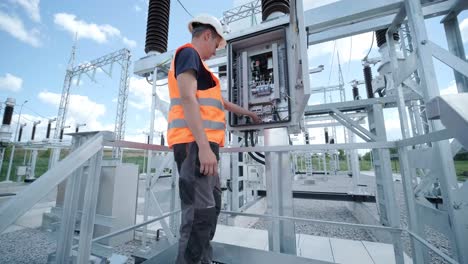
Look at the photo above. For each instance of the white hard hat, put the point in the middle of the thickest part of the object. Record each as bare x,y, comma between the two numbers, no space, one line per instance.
212,21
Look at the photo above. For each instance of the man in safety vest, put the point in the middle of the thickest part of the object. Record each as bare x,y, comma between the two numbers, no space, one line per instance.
196,127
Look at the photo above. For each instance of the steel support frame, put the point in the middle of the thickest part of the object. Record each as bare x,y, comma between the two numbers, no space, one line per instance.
459,65
455,45
170,228
71,199
442,151
344,18
233,195
353,164
150,199
121,56
68,219
353,126
408,174
386,198
281,235
443,162
348,106
89,208
243,11
122,101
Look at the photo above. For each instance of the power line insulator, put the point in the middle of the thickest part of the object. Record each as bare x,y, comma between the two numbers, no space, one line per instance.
271,6
157,26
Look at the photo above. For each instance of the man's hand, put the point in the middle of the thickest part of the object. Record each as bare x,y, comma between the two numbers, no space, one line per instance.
241,111
208,161
255,118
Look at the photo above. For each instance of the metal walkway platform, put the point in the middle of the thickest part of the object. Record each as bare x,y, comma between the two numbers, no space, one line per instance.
244,245
230,254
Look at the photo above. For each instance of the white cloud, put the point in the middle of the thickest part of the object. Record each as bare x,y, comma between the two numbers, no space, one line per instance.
83,29
81,109
451,89
130,43
359,47
140,99
464,30
15,27
11,83
31,7
140,91
137,8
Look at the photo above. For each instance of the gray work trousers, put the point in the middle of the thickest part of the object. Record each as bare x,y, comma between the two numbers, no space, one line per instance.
200,197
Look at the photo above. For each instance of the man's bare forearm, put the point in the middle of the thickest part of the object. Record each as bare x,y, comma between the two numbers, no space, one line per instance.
235,108
241,111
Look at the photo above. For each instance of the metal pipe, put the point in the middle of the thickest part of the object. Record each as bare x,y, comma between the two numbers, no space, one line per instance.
284,218
310,148
121,231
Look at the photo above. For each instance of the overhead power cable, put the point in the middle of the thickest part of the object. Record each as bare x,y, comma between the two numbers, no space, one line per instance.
331,63
349,60
30,109
185,8
372,44
23,117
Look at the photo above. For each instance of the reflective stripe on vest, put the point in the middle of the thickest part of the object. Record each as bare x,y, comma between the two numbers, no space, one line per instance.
181,123
202,101
211,106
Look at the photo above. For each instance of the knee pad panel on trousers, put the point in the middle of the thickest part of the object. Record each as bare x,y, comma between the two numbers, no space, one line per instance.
204,222
187,190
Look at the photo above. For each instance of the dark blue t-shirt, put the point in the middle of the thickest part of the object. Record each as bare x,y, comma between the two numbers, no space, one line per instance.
188,59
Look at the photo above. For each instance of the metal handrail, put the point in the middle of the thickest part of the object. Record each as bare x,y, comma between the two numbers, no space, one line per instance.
431,247
309,148
26,199
315,221
121,231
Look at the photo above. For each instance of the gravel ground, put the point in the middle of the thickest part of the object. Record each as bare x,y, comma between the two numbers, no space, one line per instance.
323,210
26,246
435,238
127,250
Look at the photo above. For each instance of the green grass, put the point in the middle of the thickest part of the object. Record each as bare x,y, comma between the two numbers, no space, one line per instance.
460,167
365,165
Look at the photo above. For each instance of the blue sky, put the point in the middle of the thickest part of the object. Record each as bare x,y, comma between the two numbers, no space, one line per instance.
36,38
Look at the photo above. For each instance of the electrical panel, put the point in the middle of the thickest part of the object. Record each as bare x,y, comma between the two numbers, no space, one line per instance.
258,77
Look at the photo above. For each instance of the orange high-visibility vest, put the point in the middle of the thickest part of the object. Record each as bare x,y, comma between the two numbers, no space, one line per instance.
211,110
